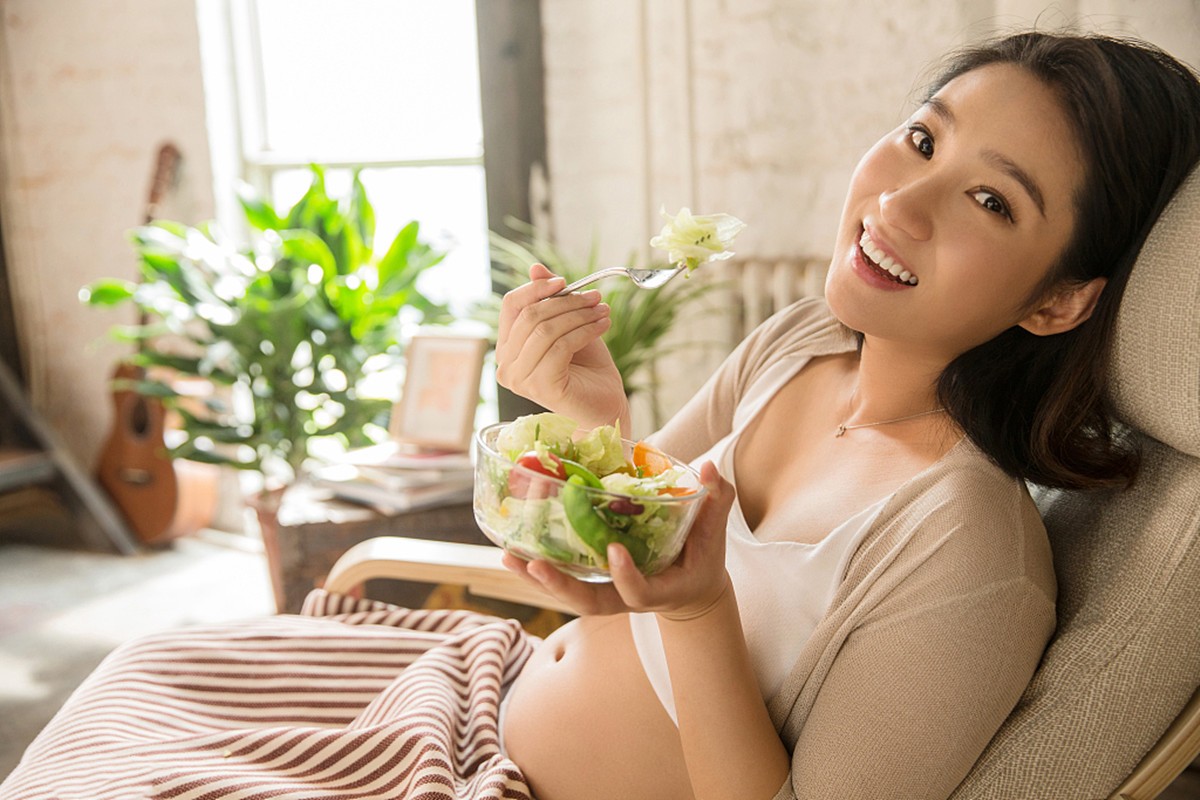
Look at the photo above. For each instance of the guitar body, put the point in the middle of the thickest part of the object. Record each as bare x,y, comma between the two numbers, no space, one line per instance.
135,468
159,500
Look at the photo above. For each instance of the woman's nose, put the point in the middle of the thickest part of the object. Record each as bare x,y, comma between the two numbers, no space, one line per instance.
907,209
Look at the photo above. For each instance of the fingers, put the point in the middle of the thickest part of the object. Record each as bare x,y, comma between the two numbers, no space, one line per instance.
545,336
629,581
542,284
538,272
707,535
583,598
720,491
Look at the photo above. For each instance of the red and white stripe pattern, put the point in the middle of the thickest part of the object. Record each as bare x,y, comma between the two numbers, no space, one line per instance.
350,699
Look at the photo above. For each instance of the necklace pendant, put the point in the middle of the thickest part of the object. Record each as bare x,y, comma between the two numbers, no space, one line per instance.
841,431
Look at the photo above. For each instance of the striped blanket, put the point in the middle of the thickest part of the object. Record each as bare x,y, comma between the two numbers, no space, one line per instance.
349,699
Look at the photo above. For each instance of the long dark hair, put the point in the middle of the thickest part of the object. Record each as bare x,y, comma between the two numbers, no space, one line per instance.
1037,404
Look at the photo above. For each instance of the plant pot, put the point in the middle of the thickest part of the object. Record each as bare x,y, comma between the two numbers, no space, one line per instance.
266,505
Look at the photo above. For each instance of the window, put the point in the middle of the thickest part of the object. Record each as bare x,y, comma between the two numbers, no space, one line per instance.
391,86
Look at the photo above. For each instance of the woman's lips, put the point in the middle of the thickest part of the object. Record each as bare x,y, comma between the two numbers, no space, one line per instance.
879,256
863,267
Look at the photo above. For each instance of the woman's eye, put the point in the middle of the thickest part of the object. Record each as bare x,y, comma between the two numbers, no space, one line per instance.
922,141
992,202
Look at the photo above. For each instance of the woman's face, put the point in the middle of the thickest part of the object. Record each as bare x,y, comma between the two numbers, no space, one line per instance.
971,199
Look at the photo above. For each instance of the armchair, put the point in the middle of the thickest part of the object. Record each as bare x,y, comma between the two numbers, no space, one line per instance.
1113,710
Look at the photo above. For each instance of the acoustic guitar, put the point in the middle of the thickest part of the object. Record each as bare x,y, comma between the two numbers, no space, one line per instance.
135,467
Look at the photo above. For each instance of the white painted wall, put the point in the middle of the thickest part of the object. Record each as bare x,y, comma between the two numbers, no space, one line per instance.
88,91
759,108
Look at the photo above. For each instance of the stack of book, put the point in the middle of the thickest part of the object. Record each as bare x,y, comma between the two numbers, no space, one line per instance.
394,479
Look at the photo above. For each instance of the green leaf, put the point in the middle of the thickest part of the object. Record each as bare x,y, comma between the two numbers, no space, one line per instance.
305,247
395,260
157,265
107,292
160,236
362,216
313,204
211,457
259,213
146,388
421,258
184,365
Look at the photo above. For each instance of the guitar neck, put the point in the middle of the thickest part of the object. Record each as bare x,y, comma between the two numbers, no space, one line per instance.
166,175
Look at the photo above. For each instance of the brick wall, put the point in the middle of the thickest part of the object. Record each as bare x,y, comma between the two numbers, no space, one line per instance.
88,90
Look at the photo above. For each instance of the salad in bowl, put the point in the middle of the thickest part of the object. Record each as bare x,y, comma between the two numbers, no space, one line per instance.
544,489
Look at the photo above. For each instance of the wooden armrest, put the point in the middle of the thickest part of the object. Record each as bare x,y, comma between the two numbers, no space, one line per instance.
476,567
1174,751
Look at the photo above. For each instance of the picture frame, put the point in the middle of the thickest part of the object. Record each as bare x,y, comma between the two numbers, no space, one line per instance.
437,407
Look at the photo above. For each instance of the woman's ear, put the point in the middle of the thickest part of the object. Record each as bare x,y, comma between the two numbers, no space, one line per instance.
1065,309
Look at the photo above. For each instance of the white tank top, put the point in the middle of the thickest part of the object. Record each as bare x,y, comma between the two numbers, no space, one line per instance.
783,588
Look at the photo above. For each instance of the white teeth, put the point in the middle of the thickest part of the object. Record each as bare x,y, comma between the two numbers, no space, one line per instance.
884,261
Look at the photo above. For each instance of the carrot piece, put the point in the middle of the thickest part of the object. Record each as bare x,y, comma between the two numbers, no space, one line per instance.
676,491
650,459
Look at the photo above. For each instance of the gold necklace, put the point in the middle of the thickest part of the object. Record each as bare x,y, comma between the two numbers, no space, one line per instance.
841,429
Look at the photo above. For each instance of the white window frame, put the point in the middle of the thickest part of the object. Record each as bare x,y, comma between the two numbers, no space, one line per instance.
257,165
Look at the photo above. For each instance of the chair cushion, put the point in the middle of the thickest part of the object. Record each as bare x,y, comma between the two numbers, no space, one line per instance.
1155,369
1123,661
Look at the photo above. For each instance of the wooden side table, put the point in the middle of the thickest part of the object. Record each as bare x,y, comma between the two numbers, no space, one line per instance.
314,528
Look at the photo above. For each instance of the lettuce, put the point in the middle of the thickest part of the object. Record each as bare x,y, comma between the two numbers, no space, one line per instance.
600,451
552,430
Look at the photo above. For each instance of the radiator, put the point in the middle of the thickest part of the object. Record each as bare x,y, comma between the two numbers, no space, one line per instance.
763,286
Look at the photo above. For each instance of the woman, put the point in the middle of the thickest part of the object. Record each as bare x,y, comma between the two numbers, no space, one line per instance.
894,425
860,619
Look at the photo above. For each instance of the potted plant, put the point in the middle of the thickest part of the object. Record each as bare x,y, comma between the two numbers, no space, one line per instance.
286,327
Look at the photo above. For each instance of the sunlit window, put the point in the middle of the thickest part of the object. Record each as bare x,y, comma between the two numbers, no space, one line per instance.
391,86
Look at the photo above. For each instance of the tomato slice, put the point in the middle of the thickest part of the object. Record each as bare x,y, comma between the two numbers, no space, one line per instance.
522,485
531,461
650,459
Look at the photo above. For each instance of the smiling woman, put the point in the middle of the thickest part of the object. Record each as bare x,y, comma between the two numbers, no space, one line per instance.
981,255
939,198
868,586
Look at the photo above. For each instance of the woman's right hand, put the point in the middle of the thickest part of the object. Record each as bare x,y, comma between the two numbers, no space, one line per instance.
550,351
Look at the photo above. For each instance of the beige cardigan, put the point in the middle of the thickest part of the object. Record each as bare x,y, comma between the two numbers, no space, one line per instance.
940,622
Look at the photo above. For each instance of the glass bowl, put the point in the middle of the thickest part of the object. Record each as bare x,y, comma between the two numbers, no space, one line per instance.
538,516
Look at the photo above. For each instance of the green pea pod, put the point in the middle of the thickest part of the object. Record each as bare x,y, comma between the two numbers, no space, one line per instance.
575,468
636,547
582,515
591,527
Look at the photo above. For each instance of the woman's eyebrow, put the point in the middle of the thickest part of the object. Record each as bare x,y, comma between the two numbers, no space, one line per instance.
1010,168
1000,162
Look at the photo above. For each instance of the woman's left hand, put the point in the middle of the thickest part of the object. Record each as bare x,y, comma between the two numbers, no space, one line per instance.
686,589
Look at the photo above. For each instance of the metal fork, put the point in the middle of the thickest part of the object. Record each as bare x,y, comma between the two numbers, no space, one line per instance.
644,278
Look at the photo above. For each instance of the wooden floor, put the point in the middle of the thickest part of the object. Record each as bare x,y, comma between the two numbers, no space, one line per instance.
62,611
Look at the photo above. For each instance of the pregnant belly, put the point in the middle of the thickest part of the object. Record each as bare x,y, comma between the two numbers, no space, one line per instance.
583,721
